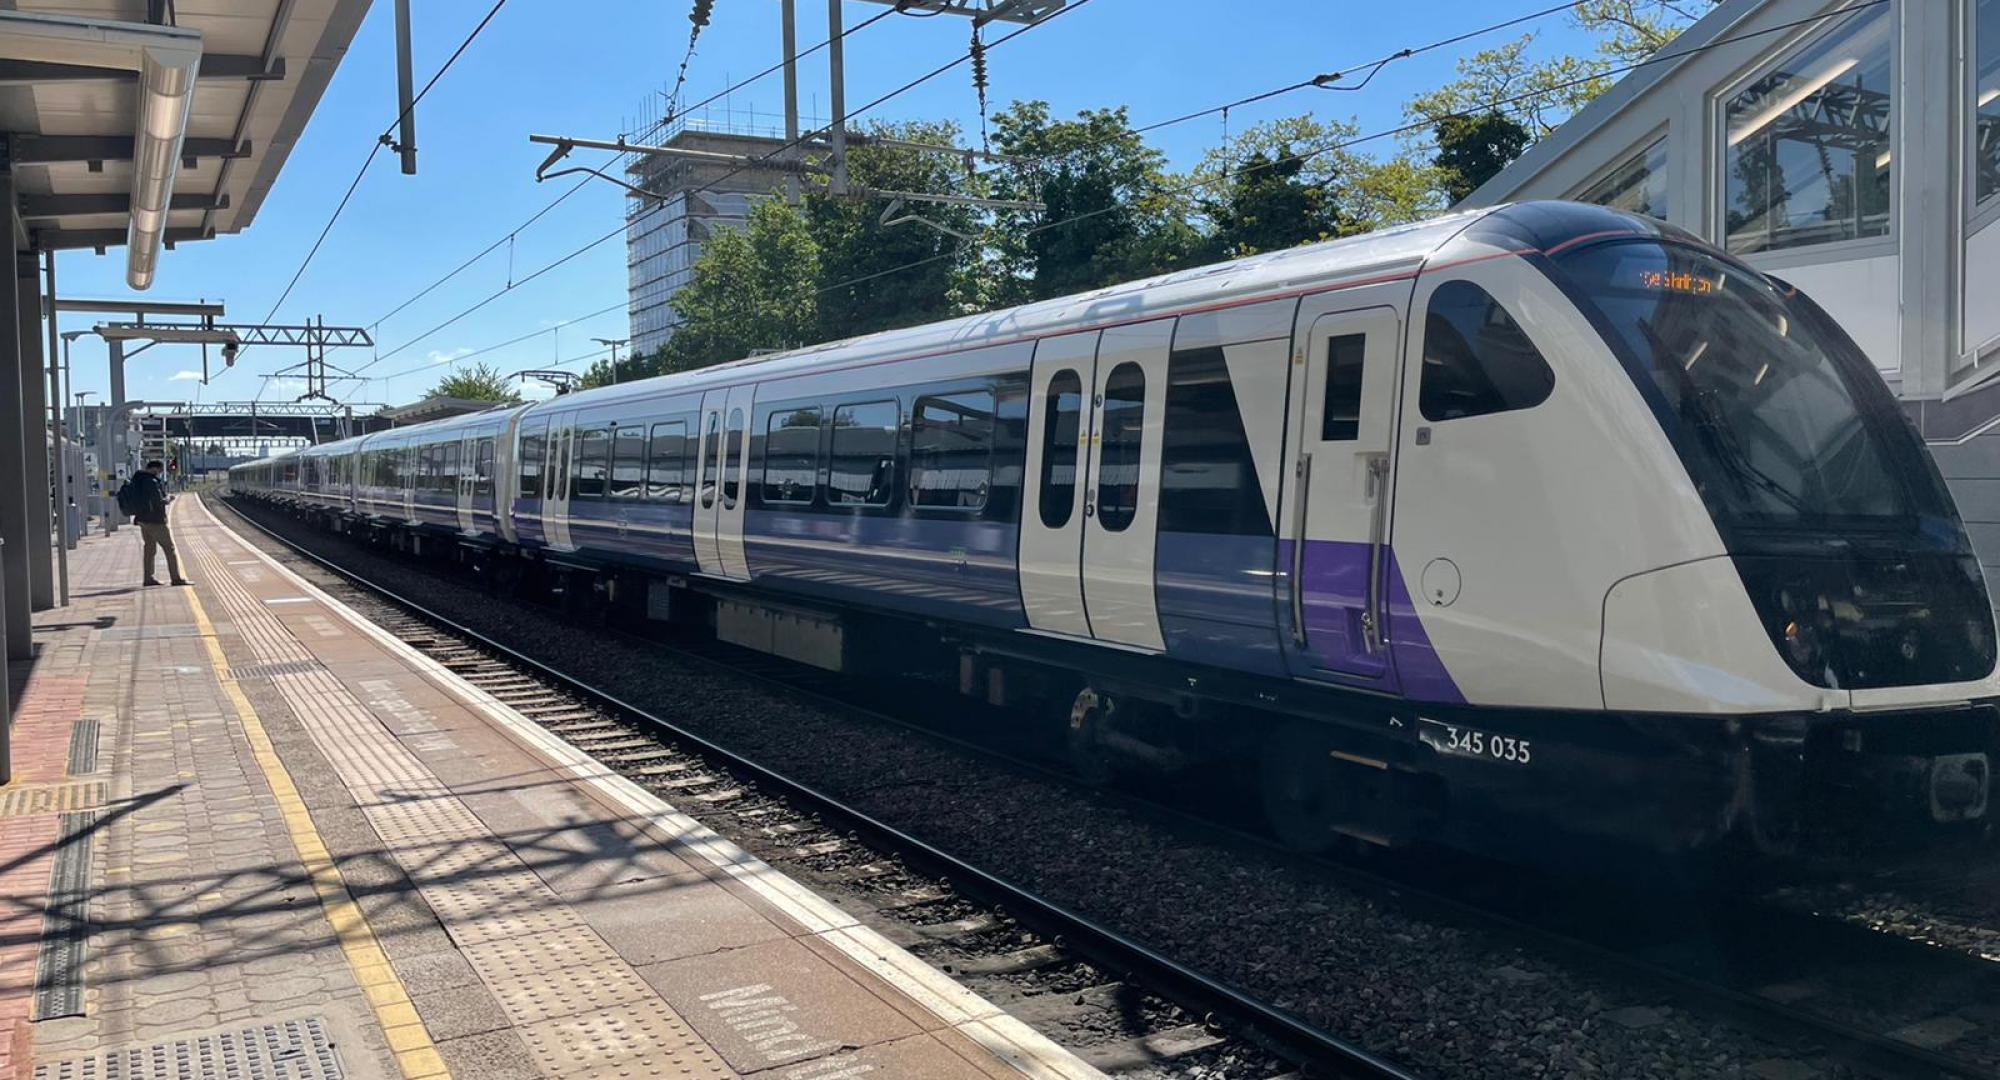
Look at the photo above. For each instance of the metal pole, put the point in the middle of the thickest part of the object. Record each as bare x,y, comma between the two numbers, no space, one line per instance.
16,620
836,61
405,89
56,432
789,9
112,437
35,462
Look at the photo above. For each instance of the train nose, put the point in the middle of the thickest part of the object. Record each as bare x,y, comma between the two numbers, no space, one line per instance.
1959,785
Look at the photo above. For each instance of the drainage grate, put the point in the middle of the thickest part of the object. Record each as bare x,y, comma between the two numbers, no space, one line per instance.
66,923
282,667
50,798
83,747
289,1050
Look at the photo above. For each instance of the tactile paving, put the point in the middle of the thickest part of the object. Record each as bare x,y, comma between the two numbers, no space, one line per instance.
83,746
282,667
635,1040
59,962
27,801
291,1050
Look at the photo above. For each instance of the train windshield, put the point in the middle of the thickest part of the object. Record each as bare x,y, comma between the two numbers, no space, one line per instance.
1785,428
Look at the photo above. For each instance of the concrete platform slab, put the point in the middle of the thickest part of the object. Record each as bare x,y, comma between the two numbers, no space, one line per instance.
296,816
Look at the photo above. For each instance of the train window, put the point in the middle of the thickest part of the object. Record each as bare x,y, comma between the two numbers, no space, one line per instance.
951,451
593,462
628,462
732,458
1208,474
862,454
1477,359
791,455
531,464
1118,461
1061,424
1340,408
711,451
482,481
667,462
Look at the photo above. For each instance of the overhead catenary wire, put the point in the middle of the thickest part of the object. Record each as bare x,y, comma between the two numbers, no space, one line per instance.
978,59
793,145
387,133
647,133
1196,182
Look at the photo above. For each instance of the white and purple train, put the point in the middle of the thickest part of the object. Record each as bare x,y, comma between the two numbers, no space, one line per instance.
1534,520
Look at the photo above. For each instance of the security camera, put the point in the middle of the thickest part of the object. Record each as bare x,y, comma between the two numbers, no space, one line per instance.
229,353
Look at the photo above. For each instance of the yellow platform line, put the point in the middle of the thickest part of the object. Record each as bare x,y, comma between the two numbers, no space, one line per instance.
408,1038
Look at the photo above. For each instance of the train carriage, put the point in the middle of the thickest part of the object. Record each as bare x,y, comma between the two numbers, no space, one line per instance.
1536,519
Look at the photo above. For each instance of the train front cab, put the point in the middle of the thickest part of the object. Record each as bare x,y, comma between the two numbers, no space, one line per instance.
1668,564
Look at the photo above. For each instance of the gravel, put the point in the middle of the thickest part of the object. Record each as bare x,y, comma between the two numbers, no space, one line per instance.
1442,1000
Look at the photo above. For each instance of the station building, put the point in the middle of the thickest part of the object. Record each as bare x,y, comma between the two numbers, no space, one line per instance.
1851,148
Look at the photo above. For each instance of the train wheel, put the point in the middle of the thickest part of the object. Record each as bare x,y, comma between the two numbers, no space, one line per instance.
1089,717
1304,800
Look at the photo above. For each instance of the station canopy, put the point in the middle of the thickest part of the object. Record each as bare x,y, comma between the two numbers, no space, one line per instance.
148,123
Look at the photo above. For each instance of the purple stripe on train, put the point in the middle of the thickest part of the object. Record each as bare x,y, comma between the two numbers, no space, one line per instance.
1335,586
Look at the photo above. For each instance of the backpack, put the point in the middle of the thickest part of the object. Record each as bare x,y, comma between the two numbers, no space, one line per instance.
130,502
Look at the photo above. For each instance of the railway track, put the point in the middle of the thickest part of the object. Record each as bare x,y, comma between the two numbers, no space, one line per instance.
1053,968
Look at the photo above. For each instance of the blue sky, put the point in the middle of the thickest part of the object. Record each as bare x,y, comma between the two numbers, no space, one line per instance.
584,67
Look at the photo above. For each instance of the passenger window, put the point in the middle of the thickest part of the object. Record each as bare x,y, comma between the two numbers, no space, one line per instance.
664,464
628,462
531,465
1208,473
732,458
1340,408
791,456
1124,429
593,456
951,451
483,478
711,451
862,469
1477,360
1059,439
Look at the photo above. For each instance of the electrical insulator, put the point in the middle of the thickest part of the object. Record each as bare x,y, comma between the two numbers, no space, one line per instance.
978,64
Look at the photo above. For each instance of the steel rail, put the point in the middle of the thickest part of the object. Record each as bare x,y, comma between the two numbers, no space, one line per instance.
1088,938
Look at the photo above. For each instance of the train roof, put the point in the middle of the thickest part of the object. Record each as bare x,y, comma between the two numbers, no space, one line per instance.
1399,249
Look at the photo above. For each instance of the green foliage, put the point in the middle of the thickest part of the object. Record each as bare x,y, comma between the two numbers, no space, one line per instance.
480,382
854,245
1473,149
1129,222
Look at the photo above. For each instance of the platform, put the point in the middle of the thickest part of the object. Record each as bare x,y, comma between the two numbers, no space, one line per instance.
252,834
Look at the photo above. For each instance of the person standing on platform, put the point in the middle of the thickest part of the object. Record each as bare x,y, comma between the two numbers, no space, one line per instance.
148,500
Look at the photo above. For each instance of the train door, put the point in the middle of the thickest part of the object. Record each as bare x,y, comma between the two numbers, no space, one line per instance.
735,483
408,496
1121,508
1334,519
468,464
708,489
1051,553
555,485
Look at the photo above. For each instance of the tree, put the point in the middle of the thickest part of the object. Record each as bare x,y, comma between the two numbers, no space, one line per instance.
1473,149
1540,94
1268,204
752,290
1355,193
1111,214
923,264
480,382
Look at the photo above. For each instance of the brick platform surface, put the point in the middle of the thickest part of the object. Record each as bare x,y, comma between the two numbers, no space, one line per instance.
296,819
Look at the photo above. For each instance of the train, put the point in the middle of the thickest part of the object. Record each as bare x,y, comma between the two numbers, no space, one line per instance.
1536,528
